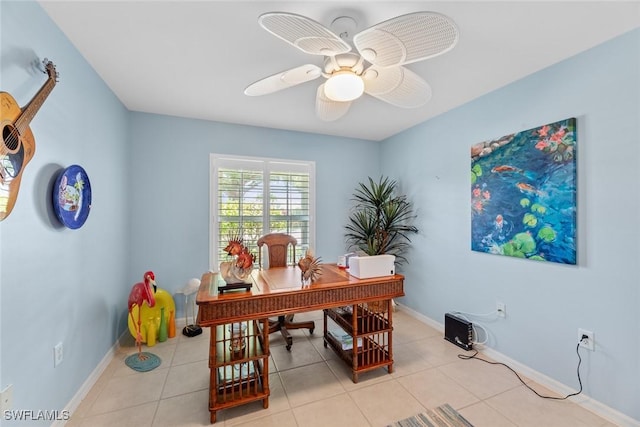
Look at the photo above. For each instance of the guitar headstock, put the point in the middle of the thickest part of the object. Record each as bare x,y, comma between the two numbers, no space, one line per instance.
50,69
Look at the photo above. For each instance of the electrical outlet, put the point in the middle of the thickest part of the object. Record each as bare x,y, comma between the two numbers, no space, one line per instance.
586,339
58,355
6,398
501,308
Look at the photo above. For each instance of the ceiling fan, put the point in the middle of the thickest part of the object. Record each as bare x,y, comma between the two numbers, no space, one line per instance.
377,67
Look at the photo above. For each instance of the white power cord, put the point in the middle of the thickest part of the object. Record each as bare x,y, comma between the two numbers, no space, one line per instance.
476,326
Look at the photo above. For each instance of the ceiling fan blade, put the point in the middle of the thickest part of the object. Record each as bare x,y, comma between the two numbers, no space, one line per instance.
329,110
303,33
398,86
283,80
407,38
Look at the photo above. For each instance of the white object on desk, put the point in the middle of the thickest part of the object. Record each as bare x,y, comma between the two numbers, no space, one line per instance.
364,267
343,260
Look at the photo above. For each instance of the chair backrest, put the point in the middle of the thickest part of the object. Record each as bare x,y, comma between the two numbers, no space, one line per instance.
277,246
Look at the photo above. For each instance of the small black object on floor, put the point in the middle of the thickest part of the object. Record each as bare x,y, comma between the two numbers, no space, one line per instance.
191,330
458,331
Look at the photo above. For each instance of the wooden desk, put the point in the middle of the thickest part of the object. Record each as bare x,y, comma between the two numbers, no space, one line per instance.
275,292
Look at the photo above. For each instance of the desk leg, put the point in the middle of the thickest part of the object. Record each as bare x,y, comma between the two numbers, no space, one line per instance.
213,376
212,417
265,362
390,314
354,350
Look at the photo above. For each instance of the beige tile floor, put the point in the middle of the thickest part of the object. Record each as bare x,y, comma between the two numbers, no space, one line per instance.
311,387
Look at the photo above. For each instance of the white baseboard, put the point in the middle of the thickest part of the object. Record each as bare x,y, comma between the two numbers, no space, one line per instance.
88,384
583,400
95,375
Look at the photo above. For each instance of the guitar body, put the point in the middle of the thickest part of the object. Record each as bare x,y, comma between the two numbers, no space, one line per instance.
18,145
16,151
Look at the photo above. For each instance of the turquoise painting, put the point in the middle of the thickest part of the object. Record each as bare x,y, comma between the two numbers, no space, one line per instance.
523,194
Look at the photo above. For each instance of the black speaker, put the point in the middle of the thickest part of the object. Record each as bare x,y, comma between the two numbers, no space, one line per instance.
458,331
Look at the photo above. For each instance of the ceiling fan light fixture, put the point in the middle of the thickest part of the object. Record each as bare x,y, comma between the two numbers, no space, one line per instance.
375,67
344,86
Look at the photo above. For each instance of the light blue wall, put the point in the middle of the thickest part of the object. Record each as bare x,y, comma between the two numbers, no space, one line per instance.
170,188
546,302
150,180
57,284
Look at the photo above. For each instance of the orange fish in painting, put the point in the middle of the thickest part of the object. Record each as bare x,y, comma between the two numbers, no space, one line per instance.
505,168
526,188
499,223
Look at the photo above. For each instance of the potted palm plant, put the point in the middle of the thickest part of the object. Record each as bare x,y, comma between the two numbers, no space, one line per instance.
380,220
380,223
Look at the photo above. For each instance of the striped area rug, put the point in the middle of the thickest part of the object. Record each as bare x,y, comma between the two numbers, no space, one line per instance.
442,416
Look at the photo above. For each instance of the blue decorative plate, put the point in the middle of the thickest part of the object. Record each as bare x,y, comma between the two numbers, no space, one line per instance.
72,197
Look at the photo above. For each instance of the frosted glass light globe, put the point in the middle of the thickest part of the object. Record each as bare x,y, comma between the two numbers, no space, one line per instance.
344,86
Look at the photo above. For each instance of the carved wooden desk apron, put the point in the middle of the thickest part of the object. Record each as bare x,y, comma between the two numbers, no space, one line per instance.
239,346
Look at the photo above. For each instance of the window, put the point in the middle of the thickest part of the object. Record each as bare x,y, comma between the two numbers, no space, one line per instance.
258,196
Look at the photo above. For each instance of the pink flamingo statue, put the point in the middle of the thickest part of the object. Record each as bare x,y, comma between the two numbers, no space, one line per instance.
141,292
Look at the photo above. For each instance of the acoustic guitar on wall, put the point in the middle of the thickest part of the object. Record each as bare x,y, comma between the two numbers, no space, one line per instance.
18,145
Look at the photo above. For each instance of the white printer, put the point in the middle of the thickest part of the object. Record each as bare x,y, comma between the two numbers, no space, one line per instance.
364,267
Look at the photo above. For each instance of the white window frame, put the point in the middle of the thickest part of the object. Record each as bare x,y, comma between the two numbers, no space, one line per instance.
266,165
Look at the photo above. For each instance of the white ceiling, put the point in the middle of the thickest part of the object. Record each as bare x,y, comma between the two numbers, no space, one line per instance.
194,58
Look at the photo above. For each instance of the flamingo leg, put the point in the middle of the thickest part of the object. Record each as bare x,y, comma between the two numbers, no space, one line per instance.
134,323
138,333
139,338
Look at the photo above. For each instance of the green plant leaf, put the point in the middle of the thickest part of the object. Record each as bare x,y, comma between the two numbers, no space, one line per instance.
529,220
525,243
512,249
547,234
538,208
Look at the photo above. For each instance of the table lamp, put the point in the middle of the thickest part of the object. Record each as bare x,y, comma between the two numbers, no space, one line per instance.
191,287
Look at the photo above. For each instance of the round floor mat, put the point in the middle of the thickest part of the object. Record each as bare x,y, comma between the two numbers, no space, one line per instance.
143,362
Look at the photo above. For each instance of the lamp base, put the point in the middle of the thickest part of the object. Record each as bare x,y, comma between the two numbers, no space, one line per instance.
233,286
191,330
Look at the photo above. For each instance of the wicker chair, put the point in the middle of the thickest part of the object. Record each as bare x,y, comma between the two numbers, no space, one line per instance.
277,246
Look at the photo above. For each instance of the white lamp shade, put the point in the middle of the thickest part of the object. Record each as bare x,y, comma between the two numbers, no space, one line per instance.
191,286
344,86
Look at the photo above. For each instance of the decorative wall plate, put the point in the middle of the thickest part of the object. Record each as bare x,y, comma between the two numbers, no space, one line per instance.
72,197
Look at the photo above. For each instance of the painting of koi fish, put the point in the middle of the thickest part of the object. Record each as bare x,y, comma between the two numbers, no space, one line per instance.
528,189
505,168
523,194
